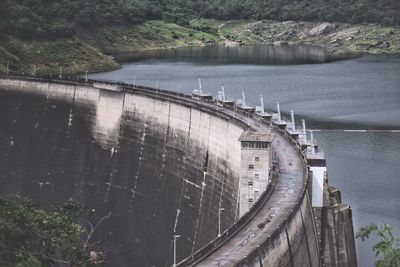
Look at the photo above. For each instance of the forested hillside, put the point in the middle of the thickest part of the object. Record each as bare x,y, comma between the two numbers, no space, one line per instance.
84,35
62,18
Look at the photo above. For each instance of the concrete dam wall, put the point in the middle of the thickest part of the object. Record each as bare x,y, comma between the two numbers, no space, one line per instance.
164,164
182,157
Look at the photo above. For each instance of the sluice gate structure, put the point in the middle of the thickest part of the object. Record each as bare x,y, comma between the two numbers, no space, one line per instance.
246,167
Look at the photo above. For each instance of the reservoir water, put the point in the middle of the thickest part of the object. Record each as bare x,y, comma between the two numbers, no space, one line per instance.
117,160
329,92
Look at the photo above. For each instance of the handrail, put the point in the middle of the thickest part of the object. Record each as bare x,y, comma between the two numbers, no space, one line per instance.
229,233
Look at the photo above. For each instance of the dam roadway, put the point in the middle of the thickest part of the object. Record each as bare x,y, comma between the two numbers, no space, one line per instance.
284,197
285,194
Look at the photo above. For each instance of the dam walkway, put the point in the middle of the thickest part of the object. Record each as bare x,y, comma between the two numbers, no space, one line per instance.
287,192
270,224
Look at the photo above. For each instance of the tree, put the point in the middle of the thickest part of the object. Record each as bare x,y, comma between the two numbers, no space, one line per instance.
388,246
29,236
25,27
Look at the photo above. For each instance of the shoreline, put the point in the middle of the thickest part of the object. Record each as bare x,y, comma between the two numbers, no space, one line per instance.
99,49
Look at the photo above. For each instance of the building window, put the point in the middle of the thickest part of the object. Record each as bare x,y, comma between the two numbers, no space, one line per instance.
257,158
251,183
255,145
262,145
256,176
248,144
251,200
251,167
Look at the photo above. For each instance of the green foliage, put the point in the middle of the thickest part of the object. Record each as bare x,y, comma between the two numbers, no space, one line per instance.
388,246
25,27
43,18
29,236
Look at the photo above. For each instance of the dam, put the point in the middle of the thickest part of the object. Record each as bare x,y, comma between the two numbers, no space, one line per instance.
169,164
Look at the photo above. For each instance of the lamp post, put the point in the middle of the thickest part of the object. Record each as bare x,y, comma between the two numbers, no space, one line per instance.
293,122
223,92
312,142
278,107
8,68
200,88
262,104
304,130
219,221
175,237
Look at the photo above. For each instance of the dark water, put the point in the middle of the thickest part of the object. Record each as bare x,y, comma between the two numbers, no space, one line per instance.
361,93
255,54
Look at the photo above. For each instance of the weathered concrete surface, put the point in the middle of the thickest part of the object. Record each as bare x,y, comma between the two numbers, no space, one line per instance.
283,232
145,150
256,164
279,235
337,232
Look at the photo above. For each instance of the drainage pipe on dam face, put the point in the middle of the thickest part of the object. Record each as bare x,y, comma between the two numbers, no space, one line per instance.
175,238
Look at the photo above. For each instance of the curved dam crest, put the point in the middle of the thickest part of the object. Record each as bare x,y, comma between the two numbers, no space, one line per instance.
137,154
134,150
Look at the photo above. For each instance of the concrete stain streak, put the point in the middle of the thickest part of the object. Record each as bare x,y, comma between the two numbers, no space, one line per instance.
196,229
142,142
193,184
178,211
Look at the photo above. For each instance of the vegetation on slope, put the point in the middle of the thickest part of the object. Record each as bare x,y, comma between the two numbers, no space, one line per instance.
29,236
49,55
387,249
146,36
44,18
80,35
90,47
334,37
